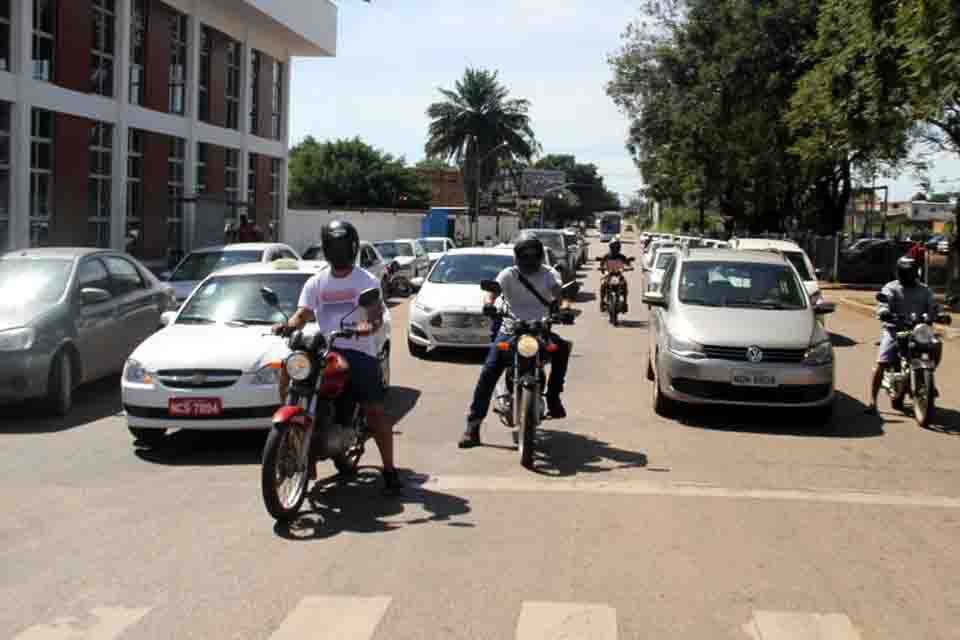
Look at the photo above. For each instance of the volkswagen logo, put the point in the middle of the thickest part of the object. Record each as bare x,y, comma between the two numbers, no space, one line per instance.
754,355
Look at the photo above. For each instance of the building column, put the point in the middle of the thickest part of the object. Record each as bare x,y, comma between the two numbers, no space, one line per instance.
20,112
285,138
121,140
190,144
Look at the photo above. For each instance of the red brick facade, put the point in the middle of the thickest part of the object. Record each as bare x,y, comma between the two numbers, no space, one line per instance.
156,197
446,187
74,35
71,140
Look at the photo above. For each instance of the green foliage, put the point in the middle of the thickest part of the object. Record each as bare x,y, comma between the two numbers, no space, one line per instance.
350,172
591,195
477,125
435,164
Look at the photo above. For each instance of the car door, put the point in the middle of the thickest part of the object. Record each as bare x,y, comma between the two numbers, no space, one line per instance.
421,261
137,309
369,261
96,324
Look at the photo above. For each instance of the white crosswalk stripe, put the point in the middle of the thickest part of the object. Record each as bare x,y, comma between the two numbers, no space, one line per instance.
796,625
566,621
333,618
107,624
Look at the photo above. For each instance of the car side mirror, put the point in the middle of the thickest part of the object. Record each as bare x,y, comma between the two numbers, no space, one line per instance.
818,273
654,299
167,318
882,297
416,283
370,298
824,308
270,297
491,286
93,295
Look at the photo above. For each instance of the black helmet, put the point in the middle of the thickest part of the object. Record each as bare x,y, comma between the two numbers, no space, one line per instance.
907,271
528,253
615,246
341,243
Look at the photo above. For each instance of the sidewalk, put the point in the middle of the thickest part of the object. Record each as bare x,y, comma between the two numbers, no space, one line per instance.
863,302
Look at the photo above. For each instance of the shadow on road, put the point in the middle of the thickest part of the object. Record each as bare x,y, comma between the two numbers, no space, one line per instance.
457,356
91,402
945,421
585,296
634,324
842,341
849,420
337,505
563,454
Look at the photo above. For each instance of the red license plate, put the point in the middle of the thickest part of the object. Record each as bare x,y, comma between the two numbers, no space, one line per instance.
195,407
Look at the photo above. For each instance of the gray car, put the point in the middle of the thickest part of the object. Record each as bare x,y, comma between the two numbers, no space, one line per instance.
554,240
738,328
71,316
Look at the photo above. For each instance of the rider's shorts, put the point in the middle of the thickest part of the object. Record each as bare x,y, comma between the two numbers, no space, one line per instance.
888,349
366,378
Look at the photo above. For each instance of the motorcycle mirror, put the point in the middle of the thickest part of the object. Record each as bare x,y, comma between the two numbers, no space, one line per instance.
490,286
882,297
370,297
269,296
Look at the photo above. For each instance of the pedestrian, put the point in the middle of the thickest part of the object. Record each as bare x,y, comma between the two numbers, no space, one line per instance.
247,231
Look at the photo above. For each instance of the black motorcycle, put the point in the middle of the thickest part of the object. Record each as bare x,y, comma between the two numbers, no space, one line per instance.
920,350
319,419
523,406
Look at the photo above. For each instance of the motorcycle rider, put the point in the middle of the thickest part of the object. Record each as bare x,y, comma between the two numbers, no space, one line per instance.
528,254
329,296
906,295
613,262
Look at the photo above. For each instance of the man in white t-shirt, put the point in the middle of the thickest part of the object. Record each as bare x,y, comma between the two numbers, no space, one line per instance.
328,298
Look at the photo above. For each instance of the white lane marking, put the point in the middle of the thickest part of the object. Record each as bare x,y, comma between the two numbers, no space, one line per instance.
643,488
792,625
333,618
109,624
566,621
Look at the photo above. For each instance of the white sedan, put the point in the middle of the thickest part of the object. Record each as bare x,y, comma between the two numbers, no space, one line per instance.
448,310
215,366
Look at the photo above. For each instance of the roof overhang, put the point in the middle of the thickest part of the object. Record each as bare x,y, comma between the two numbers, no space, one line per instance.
310,25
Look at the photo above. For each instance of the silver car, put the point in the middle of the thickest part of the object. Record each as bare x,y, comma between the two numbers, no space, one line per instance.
738,328
70,316
554,240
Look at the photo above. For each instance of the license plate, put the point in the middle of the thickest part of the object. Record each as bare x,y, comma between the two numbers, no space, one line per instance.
459,338
195,407
754,379
464,321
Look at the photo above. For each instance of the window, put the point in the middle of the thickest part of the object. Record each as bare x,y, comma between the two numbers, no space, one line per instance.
93,275
254,94
275,197
101,60
203,97
124,277
98,193
203,156
134,191
4,175
232,182
233,84
276,101
41,176
175,162
138,49
178,63
5,35
44,38
251,181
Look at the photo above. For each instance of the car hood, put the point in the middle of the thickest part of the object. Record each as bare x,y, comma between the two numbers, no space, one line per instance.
187,346
435,255
404,261
452,297
183,288
20,314
744,327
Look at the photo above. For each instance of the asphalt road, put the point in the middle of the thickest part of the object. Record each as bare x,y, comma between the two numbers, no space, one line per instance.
720,525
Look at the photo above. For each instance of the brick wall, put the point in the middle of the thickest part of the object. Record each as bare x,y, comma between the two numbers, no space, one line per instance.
157,89
71,168
74,39
156,199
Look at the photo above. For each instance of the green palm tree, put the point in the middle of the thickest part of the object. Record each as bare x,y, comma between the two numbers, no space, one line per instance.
477,126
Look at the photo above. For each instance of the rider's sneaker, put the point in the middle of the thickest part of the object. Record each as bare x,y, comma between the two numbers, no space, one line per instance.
470,438
392,484
555,407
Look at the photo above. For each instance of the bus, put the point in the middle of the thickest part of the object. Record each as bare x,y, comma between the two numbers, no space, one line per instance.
610,226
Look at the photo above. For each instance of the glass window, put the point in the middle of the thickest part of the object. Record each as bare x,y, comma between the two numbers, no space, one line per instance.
41,176
434,246
5,35
4,175
101,154
124,277
102,51
28,280
175,161
203,96
44,38
254,124
276,102
232,182
233,84
138,49
275,168
93,274
741,284
203,156
237,298
796,258
135,192
252,182
390,250
469,268
178,63
199,265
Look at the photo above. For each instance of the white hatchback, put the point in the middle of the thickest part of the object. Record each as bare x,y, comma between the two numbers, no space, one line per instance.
215,366
797,257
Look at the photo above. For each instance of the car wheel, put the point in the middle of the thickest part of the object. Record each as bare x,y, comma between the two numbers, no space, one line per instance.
823,416
416,350
385,367
148,437
662,405
59,398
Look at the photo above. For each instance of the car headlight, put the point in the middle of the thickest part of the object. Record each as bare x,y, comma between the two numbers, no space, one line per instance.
819,354
298,366
419,306
686,348
923,334
267,376
17,339
527,346
135,372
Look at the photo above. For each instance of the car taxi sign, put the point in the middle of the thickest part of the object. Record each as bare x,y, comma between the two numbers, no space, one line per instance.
285,264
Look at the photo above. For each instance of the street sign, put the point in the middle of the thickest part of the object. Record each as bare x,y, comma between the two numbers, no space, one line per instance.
536,182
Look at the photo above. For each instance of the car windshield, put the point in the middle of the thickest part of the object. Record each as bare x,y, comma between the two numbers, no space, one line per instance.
797,260
664,260
434,246
314,253
238,299
740,284
199,265
552,240
33,280
469,268
394,249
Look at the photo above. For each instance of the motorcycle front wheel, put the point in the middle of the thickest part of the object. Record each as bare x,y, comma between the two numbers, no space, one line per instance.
613,308
528,426
923,398
284,474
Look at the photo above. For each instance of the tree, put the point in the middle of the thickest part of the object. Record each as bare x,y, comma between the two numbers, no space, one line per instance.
435,164
477,125
585,183
350,172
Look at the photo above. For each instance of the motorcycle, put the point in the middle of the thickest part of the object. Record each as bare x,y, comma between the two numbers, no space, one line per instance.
616,291
399,284
920,350
523,406
319,419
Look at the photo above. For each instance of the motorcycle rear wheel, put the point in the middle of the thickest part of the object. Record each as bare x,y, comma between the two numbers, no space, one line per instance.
528,426
924,404
283,456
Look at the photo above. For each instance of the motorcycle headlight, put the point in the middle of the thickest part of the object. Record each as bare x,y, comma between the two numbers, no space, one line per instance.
298,366
17,339
135,372
686,348
819,354
527,346
268,376
923,334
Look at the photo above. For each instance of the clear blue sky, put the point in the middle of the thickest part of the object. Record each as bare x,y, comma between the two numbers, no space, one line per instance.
394,54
